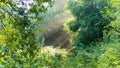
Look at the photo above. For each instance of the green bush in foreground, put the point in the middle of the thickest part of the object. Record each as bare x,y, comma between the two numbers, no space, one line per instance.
19,45
103,55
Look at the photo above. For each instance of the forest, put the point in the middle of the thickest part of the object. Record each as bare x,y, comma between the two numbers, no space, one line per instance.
59,33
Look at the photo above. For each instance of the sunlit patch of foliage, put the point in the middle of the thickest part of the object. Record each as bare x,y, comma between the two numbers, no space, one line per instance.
52,57
19,44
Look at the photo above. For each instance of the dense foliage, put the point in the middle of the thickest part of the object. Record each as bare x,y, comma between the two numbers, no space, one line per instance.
91,17
92,21
100,56
97,19
18,33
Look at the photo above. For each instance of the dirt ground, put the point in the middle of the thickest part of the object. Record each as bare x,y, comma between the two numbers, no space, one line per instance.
54,34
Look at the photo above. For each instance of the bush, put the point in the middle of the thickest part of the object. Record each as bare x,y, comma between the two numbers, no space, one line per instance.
47,57
18,37
90,20
100,56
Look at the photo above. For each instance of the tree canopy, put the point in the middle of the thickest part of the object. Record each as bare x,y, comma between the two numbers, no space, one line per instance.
91,17
18,33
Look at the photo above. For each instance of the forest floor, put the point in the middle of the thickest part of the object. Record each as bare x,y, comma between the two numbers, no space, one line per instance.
54,33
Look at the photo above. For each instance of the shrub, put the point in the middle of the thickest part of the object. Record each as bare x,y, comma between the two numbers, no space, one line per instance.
100,56
20,45
90,19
